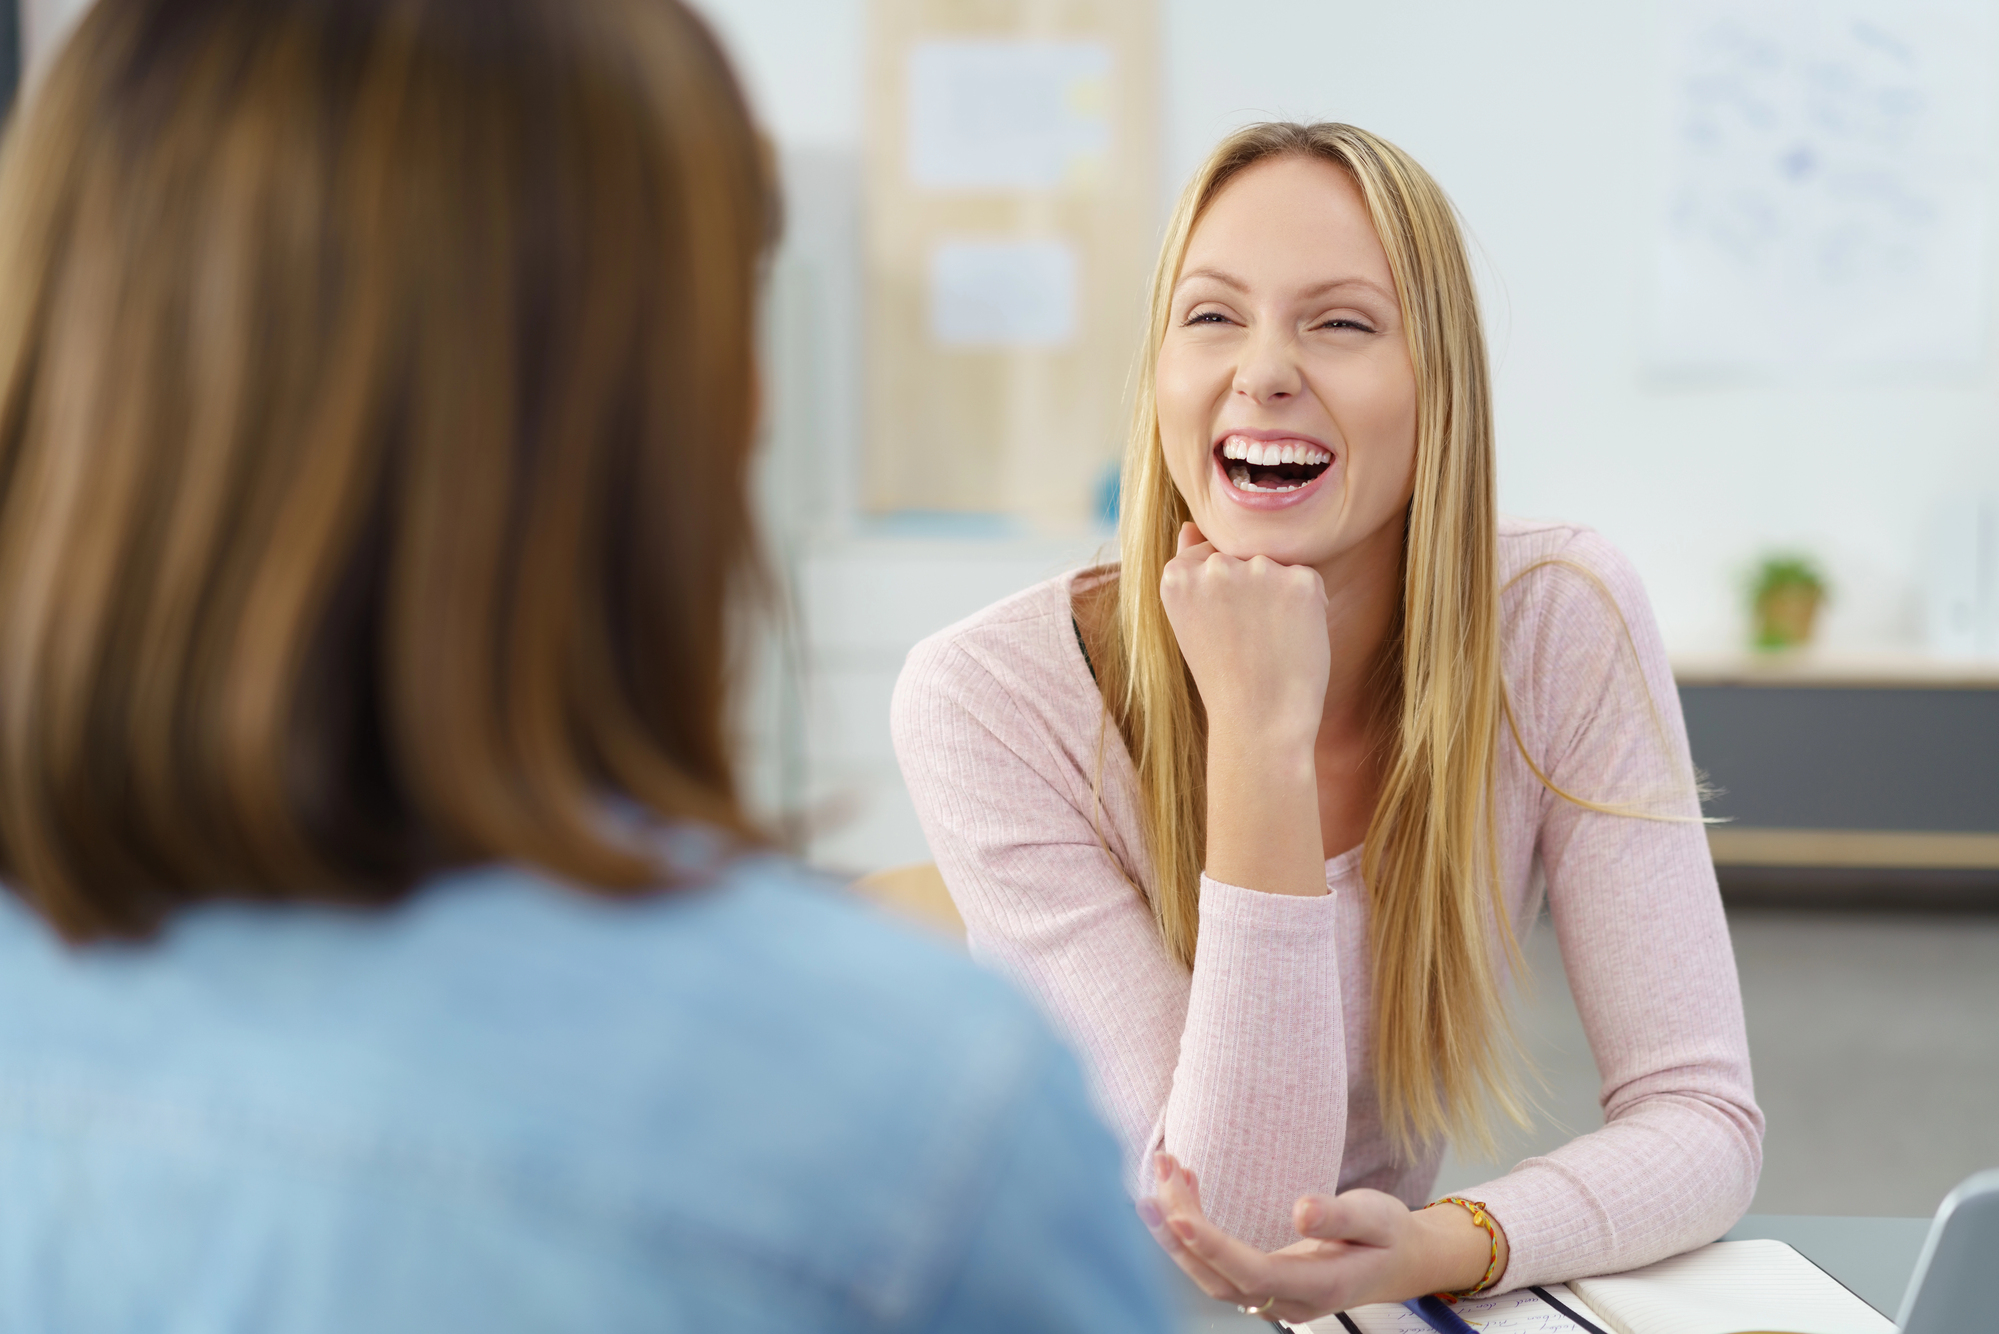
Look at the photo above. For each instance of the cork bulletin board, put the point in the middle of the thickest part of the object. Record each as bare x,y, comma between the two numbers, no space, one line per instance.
1012,212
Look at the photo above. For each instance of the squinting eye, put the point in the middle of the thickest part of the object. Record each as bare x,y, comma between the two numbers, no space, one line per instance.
1207,317
1346,324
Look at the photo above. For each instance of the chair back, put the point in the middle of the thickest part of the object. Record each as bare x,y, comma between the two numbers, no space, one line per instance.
916,892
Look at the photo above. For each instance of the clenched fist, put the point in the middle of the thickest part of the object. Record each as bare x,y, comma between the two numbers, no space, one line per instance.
1253,633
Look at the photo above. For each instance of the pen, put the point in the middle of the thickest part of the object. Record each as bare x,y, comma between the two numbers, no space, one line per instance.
1439,1316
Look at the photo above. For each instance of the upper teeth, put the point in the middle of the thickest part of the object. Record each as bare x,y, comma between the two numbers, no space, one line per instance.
1277,451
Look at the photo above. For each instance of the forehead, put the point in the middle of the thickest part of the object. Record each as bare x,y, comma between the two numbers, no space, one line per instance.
1289,219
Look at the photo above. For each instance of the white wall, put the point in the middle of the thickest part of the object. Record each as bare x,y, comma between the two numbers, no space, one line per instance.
802,60
1539,117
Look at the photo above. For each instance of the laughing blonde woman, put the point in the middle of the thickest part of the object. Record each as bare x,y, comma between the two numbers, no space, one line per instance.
1261,811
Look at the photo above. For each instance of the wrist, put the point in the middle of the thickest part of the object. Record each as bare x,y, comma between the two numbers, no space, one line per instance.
1263,815
1288,746
1458,1252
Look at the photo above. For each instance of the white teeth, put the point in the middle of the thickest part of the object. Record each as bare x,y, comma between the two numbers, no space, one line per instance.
1256,452
1245,454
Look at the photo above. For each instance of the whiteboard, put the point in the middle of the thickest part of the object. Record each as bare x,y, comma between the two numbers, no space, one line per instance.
1823,187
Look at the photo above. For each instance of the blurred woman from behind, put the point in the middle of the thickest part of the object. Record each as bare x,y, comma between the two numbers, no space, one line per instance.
386,946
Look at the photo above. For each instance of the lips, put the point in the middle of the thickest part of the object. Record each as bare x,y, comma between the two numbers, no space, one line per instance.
1271,467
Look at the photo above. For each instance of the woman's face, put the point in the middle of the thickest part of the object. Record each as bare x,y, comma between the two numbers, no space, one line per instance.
1287,404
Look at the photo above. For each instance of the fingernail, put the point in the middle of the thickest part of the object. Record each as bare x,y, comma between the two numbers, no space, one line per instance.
1148,1213
1310,1214
1183,1229
1163,1165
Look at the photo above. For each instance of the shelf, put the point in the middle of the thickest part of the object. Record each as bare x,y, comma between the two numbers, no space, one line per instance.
1881,670
1737,845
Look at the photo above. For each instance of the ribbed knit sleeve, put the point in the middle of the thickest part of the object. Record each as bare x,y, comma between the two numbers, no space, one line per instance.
1259,1105
1643,938
1240,1069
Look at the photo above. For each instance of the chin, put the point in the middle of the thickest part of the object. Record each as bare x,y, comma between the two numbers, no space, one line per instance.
1300,545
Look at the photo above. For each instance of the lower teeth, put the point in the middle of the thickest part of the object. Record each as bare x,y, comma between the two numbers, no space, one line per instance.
1240,477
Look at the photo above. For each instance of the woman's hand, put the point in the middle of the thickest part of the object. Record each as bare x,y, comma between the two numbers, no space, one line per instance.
1253,633
1357,1247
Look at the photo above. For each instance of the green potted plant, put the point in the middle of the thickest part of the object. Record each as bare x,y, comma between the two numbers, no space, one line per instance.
1784,600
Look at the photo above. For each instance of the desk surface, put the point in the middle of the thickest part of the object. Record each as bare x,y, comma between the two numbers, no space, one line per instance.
1872,1256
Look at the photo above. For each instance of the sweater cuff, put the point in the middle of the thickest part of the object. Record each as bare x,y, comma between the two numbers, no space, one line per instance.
1252,912
1550,1220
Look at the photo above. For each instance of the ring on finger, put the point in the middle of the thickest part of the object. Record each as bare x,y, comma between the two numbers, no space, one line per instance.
1259,1309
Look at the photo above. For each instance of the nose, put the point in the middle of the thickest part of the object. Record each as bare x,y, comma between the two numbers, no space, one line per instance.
1268,371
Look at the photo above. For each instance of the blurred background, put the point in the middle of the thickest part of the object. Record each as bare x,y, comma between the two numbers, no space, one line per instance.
1738,269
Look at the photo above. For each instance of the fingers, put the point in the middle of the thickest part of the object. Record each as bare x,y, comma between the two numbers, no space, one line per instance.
1347,1240
1357,1217
1176,1181
1190,536
1205,1278
1318,583
1235,1263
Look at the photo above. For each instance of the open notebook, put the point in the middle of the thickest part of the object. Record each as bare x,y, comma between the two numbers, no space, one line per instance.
1730,1287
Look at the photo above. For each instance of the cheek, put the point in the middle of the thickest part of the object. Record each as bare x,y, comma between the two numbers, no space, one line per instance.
1184,397
1376,412
1397,446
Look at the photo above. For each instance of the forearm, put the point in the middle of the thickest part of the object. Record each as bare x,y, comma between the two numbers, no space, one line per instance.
1258,1104
1669,1175
1258,1099
1263,811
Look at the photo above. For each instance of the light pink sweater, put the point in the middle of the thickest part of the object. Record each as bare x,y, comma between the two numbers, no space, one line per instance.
1256,1068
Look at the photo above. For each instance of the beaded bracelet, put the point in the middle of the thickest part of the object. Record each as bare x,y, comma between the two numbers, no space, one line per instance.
1481,1218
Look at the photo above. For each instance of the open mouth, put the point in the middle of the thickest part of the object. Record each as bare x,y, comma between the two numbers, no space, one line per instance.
1271,465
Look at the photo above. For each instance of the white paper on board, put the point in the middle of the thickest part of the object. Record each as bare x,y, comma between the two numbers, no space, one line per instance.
1823,195
1003,293
1003,114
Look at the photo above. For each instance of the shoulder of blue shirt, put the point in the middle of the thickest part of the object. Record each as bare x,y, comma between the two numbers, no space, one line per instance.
753,1066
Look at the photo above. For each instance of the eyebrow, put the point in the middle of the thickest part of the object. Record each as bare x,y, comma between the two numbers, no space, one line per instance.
1229,280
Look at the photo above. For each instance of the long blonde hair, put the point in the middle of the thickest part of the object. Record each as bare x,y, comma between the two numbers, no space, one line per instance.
1431,848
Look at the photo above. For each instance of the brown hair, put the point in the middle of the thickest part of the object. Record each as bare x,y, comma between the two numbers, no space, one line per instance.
376,387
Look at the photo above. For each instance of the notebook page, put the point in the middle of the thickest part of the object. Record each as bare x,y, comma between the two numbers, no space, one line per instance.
1731,1287
1515,1313
1384,1318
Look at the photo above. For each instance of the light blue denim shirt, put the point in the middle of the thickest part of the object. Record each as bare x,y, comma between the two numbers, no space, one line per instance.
506,1106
